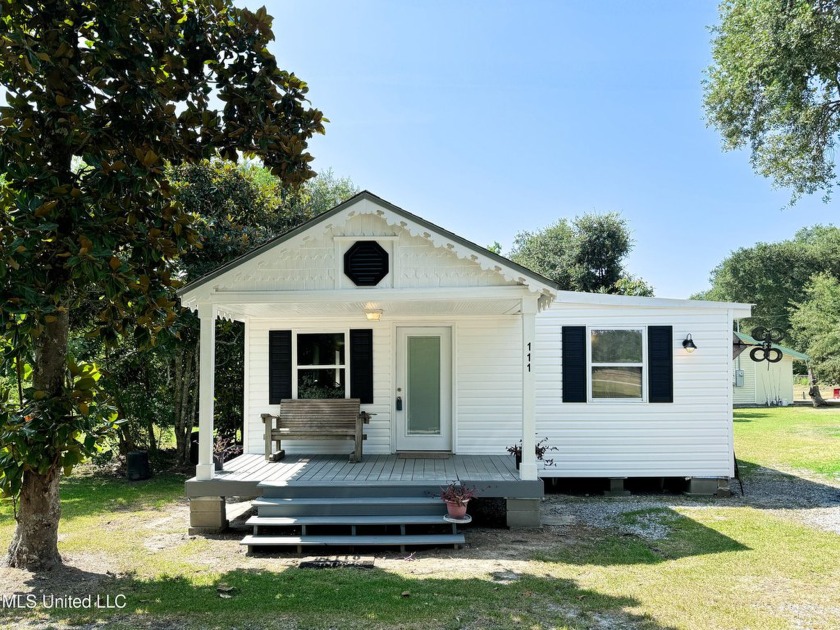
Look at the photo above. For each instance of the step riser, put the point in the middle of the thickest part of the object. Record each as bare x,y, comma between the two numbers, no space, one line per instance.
361,509
344,541
348,492
345,521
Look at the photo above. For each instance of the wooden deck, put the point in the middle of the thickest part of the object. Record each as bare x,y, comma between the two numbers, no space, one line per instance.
496,474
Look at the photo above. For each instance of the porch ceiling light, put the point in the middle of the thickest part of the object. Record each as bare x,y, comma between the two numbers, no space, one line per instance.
373,314
688,344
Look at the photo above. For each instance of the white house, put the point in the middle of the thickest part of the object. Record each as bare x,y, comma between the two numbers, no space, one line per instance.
454,349
762,382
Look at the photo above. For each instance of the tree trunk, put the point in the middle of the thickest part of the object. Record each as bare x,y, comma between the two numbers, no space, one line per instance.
126,441
150,420
34,544
35,541
182,385
814,390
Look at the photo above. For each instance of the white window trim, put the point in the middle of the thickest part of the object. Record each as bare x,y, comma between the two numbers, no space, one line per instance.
296,367
644,365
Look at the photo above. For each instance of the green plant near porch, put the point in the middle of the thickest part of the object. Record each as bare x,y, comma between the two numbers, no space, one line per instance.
540,449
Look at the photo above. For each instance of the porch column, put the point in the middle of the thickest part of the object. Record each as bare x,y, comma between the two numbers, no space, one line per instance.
528,467
207,370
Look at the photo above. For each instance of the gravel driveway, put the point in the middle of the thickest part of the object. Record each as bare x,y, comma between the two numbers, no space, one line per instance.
814,502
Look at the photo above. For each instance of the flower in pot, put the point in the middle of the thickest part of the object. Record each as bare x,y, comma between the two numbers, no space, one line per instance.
456,496
220,445
540,449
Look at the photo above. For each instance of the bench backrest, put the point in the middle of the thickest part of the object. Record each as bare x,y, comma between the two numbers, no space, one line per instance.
319,413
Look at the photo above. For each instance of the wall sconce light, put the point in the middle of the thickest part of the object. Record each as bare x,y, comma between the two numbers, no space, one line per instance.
688,344
373,314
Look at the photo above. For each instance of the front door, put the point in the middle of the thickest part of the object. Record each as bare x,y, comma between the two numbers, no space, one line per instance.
424,389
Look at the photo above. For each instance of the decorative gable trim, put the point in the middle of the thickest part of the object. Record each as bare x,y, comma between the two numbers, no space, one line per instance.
367,203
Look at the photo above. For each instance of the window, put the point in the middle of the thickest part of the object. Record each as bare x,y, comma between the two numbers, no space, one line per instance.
616,359
321,369
310,365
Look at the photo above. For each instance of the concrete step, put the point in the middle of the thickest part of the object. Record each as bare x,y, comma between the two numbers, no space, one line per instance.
353,541
357,506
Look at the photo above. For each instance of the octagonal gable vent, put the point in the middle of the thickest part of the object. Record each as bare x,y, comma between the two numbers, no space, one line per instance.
366,263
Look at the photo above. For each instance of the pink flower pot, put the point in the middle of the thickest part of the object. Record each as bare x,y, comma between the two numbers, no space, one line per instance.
455,510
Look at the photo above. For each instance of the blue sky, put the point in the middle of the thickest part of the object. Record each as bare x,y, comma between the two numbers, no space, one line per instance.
490,117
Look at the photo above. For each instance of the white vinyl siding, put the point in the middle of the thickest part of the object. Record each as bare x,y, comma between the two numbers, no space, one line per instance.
690,437
487,385
488,366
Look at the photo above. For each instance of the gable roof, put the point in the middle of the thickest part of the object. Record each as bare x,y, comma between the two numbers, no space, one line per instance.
542,282
745,338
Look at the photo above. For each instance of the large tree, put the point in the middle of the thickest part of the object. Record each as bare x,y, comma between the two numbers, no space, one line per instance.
586,254
774,88
773,276
776,278
118,89
816,326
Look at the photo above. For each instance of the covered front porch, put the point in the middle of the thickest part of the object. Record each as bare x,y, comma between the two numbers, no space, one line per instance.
433,335
333,476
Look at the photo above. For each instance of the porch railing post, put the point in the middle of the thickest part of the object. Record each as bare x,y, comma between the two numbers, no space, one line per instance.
207,369
528,467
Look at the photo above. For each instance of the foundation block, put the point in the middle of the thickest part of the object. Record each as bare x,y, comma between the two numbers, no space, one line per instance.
207,515
523,513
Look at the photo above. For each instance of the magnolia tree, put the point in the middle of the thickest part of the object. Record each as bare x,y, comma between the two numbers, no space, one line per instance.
100,96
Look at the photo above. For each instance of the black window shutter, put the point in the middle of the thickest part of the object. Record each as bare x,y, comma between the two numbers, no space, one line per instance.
361,365
660,364
279,365
574,364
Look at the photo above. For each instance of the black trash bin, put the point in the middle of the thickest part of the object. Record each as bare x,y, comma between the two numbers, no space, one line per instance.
194,448
137,466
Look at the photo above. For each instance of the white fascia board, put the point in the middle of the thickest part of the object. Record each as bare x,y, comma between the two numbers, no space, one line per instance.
606,299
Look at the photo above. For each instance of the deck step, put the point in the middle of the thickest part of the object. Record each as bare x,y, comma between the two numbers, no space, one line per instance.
350,519
353,541
348,489
348,501
341,506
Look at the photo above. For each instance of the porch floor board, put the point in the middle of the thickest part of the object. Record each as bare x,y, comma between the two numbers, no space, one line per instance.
241,475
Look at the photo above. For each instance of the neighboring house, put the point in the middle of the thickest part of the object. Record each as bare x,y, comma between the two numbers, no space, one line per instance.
455,349
760,382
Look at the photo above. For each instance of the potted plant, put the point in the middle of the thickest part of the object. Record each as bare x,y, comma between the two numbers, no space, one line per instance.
540,449
456,496
220,445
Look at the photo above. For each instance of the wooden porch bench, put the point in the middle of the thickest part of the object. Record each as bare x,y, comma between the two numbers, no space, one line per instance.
316,419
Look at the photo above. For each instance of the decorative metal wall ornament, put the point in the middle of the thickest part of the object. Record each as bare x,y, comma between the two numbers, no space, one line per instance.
765,350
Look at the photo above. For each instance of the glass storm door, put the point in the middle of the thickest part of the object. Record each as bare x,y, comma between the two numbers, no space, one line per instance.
424,389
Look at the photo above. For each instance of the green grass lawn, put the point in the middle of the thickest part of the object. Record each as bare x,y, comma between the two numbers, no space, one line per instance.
725,563
790,438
